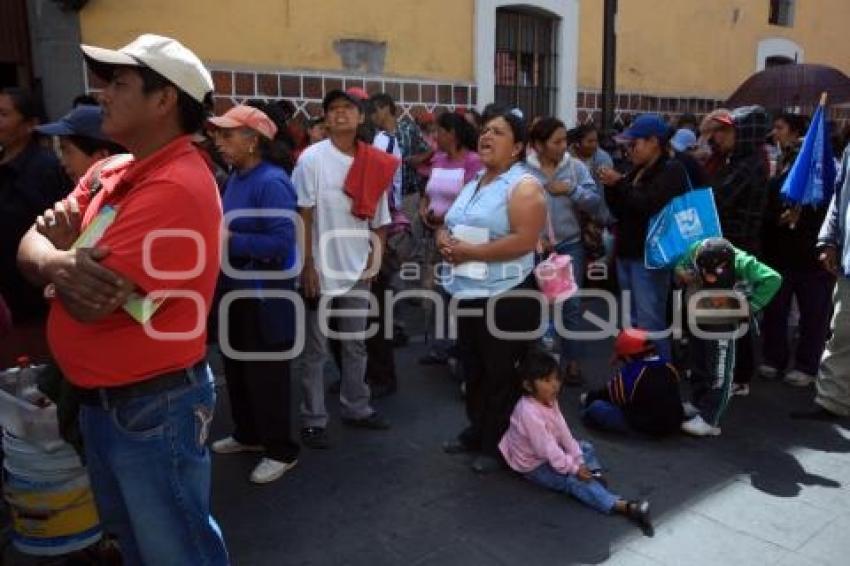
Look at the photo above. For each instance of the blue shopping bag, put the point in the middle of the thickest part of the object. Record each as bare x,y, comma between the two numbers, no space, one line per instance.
686,219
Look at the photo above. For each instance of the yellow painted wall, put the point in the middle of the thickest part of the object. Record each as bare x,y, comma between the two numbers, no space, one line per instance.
698,47
425,38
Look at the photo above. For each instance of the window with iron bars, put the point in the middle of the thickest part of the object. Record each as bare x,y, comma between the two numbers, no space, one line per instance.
781,13
526,58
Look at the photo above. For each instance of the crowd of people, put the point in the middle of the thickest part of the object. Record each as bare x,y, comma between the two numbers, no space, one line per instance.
140,228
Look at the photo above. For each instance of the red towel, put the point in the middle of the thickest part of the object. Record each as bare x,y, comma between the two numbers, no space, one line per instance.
368,178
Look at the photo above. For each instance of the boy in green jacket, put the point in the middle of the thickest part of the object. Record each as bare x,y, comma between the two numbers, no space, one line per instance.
743,287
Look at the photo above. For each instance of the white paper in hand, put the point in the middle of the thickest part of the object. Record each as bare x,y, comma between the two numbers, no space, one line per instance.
471,235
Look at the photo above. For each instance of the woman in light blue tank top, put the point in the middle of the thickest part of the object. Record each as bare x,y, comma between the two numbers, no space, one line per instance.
503,212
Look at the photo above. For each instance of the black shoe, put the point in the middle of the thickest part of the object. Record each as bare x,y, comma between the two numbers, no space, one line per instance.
457,446
315,437
638,512
816,414
372,422
433,359
383,390
485,464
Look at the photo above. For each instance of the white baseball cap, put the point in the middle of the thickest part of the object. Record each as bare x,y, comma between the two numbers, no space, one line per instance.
166,56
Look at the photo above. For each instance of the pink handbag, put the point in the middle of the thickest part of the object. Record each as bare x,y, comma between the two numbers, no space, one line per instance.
554,275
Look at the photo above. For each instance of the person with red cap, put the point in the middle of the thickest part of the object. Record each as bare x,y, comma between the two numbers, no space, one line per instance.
643,395
258,389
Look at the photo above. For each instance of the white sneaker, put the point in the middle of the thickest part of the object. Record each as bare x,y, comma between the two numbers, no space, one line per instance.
690,410
799,379
230,445
269,470
698,427
768,372
740,389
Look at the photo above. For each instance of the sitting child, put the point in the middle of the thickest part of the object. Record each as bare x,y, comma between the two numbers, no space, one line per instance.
716,265
644,395
538,445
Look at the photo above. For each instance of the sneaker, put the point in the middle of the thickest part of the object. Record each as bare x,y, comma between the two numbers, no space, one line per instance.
315,437
372,422
740,389
799,379
698,427
230,445
690,410
269,470
768,372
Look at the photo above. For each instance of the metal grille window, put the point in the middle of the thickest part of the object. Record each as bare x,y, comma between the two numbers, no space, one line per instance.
781,13
526,60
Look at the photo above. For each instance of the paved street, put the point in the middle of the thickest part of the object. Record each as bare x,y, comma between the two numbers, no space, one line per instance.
769,491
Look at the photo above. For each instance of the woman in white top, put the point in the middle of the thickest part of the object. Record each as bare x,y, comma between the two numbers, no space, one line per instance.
503,211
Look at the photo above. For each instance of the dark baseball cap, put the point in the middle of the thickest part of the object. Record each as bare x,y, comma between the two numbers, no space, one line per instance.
357,96
646,126
82,121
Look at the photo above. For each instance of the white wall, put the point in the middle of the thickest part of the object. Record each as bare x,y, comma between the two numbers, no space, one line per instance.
567,45
774,46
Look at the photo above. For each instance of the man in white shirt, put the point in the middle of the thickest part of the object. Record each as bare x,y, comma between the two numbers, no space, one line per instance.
341,253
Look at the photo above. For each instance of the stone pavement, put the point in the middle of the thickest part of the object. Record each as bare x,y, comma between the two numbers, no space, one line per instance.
768,491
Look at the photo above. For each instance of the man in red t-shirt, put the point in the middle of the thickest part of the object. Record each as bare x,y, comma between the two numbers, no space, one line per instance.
146,391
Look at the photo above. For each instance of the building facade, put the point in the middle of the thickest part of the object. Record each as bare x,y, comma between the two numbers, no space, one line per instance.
542,55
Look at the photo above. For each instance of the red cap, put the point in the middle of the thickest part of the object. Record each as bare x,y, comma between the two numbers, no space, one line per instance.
357,92
425,118
631,341
724,118
246,117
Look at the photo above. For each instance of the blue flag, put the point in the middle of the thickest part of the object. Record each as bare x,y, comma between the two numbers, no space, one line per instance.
812,177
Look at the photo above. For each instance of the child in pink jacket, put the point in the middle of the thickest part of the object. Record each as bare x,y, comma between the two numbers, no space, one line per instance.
539,445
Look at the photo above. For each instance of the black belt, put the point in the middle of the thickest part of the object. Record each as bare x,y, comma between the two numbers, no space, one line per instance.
108,397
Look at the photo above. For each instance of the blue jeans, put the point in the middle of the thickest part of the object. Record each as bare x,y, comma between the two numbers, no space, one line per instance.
571,308
606,416
590,493
150,474
648,290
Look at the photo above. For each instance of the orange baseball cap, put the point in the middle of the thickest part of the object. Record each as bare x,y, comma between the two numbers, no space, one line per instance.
246,117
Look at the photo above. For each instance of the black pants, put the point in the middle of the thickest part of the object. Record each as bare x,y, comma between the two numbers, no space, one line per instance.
745,364
259,391
713,365
380,367
493,386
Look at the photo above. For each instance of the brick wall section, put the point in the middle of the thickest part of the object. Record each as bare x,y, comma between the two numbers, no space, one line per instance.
307,90
629,105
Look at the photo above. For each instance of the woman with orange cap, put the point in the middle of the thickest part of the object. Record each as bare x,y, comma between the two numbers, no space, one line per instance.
259,323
